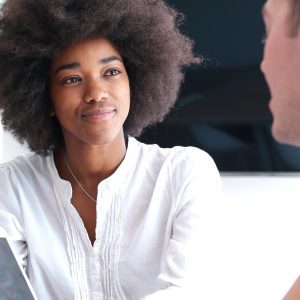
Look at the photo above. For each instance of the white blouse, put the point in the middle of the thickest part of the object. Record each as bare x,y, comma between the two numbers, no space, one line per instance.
150,215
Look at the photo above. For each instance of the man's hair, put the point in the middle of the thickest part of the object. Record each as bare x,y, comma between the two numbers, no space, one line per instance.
32,32
295,16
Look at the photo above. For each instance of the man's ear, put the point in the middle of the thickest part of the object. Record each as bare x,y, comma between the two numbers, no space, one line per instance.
51,110
51,113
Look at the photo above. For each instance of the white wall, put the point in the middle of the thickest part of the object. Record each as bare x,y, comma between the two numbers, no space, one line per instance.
9,147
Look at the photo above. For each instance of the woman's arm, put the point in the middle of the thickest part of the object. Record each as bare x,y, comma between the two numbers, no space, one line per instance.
11,223
196,188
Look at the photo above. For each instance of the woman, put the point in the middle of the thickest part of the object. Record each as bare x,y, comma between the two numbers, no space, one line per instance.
94,214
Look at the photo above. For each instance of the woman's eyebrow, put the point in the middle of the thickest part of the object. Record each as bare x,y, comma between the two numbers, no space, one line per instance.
109,59
75,65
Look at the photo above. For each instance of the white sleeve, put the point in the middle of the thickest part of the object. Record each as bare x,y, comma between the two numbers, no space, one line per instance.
11,221
196,188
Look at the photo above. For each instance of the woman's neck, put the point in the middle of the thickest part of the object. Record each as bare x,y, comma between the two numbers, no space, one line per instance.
90,163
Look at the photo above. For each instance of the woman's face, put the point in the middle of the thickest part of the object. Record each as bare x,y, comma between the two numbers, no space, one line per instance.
89,89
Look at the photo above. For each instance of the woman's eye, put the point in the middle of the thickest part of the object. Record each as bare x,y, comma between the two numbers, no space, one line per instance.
70,80
112,72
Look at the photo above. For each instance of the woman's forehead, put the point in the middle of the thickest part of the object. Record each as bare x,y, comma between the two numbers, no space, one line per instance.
99,48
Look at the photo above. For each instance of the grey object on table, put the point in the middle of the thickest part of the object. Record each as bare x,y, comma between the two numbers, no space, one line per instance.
13,285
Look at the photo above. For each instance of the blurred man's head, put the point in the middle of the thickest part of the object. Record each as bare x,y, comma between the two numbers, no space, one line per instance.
281,66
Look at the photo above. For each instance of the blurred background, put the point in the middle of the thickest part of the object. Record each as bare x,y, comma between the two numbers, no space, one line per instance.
223,104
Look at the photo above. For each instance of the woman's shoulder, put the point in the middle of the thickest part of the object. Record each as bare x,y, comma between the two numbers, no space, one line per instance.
23,164
175,156
185,170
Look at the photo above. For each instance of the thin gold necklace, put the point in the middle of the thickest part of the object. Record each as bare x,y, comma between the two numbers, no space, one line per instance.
80,185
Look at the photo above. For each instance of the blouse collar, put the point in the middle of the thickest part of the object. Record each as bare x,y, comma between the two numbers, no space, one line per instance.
116,179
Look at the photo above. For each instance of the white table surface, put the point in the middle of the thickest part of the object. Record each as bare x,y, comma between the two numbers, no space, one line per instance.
256,255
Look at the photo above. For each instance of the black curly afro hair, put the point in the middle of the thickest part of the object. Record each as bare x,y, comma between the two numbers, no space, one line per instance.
32,32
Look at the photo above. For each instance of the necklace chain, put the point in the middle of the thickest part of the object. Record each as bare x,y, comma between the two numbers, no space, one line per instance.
75,178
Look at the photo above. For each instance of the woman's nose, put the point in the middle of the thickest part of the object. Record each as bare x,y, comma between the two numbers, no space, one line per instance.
95,91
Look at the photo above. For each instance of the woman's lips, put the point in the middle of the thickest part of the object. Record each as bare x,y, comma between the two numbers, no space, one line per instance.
100,114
